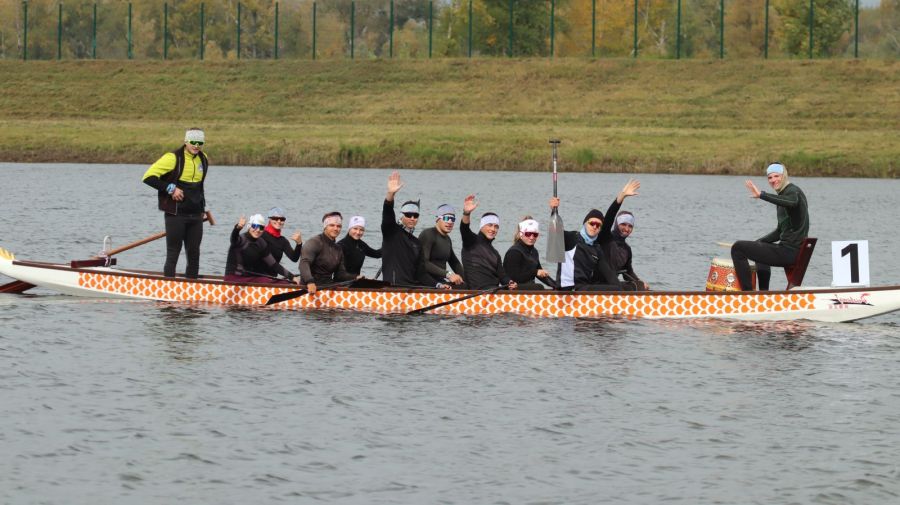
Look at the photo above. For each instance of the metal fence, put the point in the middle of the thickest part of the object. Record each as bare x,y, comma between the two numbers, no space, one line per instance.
259,29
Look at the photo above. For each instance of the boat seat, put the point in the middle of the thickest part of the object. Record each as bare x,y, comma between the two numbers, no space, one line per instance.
796,271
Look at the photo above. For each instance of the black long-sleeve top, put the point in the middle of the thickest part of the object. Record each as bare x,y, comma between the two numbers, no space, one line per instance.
322,261
355,253
793,216
521,263
250,256
401,252
438,252
481,262
280,247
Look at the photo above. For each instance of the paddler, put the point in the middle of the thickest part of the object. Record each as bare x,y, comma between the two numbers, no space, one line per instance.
522,262
481,262
279,246
178,179
780,246
249,258
620,254
438,248
402,258
322,259
355,249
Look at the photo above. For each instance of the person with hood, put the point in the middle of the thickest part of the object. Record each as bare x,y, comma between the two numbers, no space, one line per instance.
522,261
481,262
780,246
438,248
322,259
278,244
178,178
587,266
402,259
249,257
620,251
355,250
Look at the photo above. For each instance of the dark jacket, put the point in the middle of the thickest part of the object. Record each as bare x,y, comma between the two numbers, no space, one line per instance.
521,263
438,252
793,217
281,246
620,257
481,262
322,261
355,252
194,202
401,252
249,256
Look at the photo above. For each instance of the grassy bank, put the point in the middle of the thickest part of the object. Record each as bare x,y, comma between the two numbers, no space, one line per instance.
830,117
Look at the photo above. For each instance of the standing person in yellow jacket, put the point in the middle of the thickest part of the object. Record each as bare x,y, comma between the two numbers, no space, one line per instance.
178,179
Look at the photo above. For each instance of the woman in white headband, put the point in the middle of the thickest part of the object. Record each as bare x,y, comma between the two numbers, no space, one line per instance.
620,251
522,261
322,260
482,266
780,246
355,250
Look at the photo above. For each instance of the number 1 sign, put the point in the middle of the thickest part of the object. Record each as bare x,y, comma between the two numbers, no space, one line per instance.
850,263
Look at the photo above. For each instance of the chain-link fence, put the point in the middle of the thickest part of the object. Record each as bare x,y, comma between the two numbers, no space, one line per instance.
263,29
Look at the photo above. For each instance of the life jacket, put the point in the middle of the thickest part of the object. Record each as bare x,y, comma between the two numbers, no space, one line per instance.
194,201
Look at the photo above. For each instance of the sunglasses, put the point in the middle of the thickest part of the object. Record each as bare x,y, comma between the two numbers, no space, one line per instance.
257,226
411,215
197,143
595,224
448,218
282,219
530,234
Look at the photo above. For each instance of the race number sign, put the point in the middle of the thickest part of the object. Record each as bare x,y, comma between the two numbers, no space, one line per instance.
850,263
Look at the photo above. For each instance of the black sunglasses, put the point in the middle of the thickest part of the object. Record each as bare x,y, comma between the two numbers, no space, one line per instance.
411,215
197,143
282,219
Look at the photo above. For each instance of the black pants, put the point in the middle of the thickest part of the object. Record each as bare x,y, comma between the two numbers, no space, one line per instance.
764,254
187,230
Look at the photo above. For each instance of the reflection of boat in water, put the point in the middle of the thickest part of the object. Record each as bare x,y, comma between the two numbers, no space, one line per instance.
819,304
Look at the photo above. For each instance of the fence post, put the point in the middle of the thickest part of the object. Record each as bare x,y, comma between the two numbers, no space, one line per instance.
314,31
510,28
721,29
678,33
635,50
593,28
766,46
25,30
391,48
430,24
202,30
59,33
239,30
276,30
94,34
812,18
470,28
352,28
130,39
553,27
856,32
166,31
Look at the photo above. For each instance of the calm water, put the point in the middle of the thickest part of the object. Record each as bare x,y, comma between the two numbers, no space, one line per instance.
140,402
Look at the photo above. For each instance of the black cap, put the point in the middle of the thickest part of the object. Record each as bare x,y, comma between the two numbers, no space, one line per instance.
593,213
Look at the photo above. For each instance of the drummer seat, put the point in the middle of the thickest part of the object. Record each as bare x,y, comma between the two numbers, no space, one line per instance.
796,271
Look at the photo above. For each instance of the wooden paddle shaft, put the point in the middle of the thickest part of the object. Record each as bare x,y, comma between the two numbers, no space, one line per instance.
207,216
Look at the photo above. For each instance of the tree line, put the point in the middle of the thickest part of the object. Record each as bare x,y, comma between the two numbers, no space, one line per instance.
233,29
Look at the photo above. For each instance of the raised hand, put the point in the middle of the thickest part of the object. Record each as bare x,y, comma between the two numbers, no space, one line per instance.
754,191
394,183
470,204
631,188
296,237
241,222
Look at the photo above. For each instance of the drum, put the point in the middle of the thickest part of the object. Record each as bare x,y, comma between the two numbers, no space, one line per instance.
723,278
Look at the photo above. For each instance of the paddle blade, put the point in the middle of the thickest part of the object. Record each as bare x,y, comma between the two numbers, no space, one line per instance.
15,287
556,245
283,297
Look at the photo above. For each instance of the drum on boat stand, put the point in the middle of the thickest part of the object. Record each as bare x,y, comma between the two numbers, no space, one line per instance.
722,276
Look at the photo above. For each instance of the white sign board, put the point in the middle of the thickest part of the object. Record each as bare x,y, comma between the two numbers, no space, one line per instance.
850,263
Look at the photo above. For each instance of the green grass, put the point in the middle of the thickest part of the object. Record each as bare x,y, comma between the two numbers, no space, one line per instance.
830,117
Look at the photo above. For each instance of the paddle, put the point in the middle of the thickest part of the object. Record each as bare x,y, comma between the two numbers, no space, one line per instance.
556,244
21,286
456,300
290,295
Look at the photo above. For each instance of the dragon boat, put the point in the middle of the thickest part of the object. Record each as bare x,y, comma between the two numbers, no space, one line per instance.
817,304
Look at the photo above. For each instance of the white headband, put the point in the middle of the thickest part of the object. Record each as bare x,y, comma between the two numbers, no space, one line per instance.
625,218
332,220
489,219
529,225
357,221
775,168
194,136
